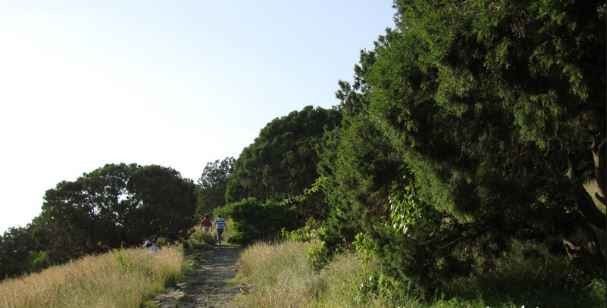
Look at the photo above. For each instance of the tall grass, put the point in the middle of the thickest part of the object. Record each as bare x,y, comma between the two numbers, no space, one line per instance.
281,275
121,278
278,275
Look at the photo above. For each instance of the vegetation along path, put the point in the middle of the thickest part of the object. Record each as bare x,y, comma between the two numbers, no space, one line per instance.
208,284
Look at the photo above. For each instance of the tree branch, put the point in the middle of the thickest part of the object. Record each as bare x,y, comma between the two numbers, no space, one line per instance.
588,208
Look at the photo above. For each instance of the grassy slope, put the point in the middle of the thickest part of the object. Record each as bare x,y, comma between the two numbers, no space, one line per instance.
121,278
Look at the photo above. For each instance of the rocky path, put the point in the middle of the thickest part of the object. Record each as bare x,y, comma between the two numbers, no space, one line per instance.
208,284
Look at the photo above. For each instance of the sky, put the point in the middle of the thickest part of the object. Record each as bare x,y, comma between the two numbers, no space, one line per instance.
174,83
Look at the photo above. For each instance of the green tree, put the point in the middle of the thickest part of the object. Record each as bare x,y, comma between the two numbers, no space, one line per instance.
16,247
278,174
115,205
495,106
282,161
212,185
164,204
488,114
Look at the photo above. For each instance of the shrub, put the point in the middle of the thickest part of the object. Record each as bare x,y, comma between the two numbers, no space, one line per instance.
529,275
256,220
310,231
162,241
318,254
39,260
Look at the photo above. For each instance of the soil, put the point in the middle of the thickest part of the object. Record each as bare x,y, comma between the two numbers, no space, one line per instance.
209,283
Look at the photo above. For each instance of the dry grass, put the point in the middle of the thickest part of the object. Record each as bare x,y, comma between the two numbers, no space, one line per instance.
342,279
281,275
121,278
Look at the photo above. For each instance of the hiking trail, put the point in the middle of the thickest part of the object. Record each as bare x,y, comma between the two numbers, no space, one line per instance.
208,284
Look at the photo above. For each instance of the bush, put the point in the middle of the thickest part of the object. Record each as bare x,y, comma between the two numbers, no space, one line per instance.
310,231
529,275
256,220
162,241
525,275
318,254
39,260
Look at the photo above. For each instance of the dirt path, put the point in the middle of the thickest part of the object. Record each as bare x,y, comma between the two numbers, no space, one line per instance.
208,284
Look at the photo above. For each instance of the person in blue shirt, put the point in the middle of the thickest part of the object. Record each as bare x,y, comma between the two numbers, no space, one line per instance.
220,226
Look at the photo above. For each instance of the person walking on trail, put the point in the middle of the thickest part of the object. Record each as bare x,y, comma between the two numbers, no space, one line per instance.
206,223
220,226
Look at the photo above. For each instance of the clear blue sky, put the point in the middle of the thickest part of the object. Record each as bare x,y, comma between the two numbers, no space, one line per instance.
176,83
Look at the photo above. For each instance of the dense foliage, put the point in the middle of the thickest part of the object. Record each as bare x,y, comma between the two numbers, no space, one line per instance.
282,161
212,184
258,220
109,207
275,184
471,125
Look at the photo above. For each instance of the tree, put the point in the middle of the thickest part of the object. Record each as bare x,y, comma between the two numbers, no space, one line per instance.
212,185
278,174
91,210
487,111
112,206
115,205
282,161
164,204
16,248
495,106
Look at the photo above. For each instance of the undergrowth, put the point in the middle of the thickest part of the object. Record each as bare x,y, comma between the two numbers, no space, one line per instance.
285,275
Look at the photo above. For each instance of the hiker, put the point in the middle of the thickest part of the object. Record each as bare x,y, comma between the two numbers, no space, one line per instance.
151,246
220,226
206,223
